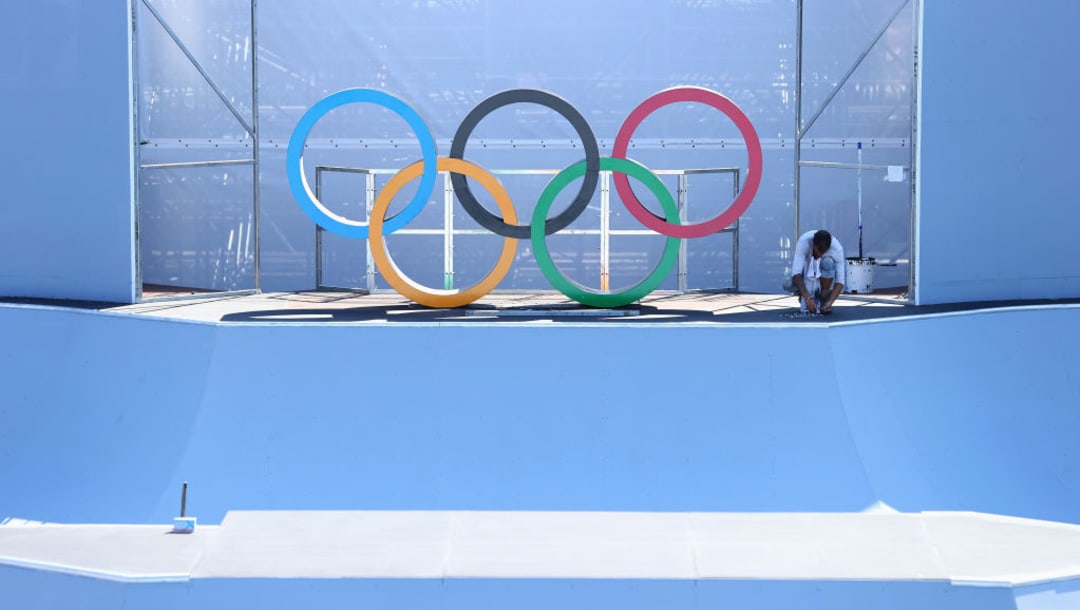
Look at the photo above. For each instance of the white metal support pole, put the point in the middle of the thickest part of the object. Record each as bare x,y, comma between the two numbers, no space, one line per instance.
369,203
736,187
255,143
448,232
605,230
136,146
318,233
859,192
913,174
683,216
798,113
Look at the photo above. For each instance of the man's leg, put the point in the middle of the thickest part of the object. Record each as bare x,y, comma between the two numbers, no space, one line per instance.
814,288
828,272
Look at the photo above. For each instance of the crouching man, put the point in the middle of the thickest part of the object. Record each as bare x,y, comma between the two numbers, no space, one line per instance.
818,271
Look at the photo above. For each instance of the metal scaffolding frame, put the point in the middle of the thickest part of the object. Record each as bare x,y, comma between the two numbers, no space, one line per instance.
801,129
252,129
605,232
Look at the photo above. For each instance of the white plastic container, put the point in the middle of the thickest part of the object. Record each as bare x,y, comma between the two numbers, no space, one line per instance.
860,275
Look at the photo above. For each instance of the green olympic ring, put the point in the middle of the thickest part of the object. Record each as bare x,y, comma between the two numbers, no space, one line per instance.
569,287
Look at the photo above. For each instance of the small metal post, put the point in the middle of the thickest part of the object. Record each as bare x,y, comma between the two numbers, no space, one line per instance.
318,232
255,155
859,190
183,501
448,232
736,186
683,203
798,114
369,204
605,230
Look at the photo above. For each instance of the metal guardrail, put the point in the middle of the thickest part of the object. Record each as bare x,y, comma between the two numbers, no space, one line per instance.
605,232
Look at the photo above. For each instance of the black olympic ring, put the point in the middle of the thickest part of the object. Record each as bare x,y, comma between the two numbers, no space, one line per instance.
490,221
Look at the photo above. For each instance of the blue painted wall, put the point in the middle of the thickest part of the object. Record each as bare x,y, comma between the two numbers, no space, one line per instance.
24,588
67,220
997,191
1049,596
49,591
996,219
105,415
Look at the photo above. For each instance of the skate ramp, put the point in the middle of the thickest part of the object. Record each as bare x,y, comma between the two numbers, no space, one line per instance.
436,559
106,414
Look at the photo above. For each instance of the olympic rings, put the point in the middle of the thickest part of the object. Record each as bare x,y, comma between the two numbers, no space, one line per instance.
588,141
589,169
294,163
753,147
401,282
572,289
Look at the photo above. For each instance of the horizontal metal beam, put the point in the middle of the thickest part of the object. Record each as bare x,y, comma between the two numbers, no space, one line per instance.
822,143
195,296
347,170
626,232
213,163
536,172
703,170
831,165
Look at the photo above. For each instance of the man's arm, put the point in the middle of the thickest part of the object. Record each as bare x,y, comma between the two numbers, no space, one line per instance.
797,279
803,249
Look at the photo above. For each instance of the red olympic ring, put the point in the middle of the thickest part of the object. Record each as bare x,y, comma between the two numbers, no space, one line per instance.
753,175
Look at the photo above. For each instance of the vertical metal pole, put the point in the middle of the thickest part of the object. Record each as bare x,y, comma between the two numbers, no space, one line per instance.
858,189
683,215
798,111
369,203
318,233
605,233
448,232
255,140
183,500
136,148
735,237
916,29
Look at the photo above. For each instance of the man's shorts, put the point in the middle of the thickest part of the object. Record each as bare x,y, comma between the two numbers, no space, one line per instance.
828,267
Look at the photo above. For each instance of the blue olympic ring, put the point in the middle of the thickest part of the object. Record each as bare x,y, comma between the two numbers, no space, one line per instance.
294,163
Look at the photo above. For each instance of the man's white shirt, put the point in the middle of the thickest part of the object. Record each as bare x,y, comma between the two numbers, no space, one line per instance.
804,262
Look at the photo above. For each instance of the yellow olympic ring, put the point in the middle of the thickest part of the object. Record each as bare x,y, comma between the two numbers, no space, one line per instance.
400,282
